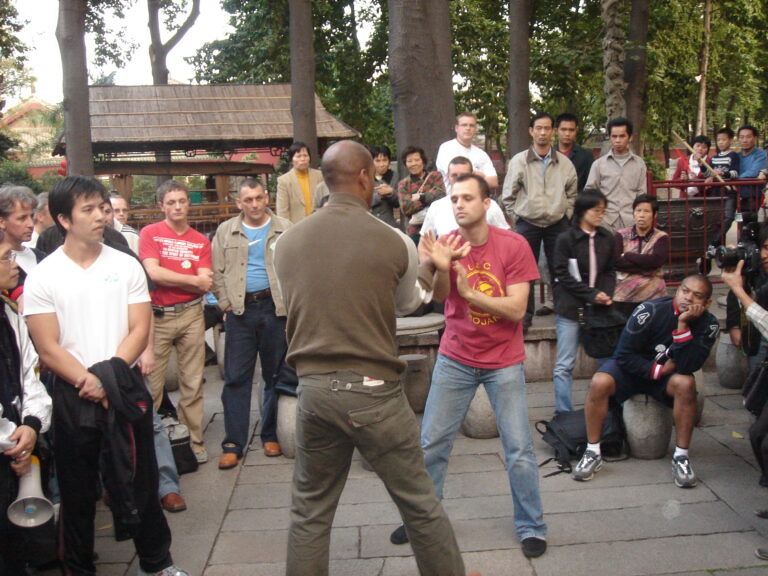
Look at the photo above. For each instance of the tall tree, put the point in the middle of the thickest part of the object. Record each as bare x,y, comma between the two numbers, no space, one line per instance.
518,95
70,34
613,57
706,34
158,50
636,70
303,74
420,73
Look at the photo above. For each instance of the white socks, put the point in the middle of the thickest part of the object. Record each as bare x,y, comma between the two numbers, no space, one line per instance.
680,452
594,447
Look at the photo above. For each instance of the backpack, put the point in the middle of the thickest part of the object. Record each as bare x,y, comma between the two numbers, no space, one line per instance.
567,434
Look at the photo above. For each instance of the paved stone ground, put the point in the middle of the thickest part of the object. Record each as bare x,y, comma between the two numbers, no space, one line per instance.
630,521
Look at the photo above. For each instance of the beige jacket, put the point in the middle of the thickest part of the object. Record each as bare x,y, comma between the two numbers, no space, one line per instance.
539,196
230,258
290,197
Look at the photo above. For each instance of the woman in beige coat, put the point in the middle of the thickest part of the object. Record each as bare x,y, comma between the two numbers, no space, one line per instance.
297,191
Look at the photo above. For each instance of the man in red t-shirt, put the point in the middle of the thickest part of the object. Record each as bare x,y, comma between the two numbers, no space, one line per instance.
485,294
178,259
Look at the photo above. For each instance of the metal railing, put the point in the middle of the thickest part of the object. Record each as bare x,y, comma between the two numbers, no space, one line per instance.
694,221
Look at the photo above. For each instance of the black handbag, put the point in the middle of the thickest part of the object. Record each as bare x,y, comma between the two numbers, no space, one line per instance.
755,389
599,330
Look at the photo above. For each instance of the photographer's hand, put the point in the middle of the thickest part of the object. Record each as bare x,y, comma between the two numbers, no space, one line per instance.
735,281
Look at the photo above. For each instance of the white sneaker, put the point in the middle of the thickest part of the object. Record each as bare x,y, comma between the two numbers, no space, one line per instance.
170,571
201,456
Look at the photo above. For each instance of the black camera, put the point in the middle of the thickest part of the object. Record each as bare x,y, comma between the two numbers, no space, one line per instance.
747,249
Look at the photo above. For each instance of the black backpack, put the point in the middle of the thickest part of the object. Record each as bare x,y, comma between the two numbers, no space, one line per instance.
567,434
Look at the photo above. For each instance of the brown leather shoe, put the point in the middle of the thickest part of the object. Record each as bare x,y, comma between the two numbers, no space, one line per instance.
173,502
227,460
272,449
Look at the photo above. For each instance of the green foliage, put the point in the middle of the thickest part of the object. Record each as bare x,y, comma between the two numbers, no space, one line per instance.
13,74
112,43
348,79
17,173
48,180
7,142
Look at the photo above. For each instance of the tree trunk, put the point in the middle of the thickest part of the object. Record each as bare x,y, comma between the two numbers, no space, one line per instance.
518,94
303,74
420,73
70,34
613,57
701,116
636,70
158,55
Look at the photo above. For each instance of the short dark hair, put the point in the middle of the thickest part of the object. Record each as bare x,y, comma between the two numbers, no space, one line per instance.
566,117
460,160
539,116
646,199
748,127
296,147
727,131
171,186
701,278
382,150
65,192
587,200
250,182
763,233
485,190
620,121
702,139
414,150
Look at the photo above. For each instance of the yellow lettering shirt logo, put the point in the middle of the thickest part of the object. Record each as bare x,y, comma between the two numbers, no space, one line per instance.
481,279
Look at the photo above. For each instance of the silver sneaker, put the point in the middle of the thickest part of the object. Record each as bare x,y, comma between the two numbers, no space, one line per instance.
170,571
589,464
201,456
683,472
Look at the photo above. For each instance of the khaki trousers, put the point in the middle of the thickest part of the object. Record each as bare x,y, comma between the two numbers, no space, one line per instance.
335,414
184,331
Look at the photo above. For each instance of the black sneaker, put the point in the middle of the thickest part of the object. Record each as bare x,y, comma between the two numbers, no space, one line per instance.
534,547
399,536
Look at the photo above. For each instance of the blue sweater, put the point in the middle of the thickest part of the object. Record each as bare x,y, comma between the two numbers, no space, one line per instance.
749,167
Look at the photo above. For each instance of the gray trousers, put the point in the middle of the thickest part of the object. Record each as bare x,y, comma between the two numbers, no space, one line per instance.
335,414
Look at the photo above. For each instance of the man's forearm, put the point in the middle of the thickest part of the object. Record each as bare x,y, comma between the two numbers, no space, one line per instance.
171,279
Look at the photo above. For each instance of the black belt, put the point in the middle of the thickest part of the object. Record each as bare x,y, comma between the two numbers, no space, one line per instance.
260,295
179,307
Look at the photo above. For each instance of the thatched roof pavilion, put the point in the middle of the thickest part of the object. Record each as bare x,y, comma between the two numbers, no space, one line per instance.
214,118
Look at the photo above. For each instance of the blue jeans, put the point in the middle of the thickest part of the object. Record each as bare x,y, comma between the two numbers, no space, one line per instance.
567,347
166,465
453,387
257,331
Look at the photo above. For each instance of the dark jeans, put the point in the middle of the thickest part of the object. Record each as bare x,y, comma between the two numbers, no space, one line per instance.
535,235
729,214
76,452
257,331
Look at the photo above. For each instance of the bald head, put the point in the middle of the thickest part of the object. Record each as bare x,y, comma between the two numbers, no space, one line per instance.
348,168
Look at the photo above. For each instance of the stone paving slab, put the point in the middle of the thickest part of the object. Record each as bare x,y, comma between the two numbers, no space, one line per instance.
652,556
248,547
497,563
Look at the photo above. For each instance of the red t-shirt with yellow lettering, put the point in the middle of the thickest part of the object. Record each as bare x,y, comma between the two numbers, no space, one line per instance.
473,336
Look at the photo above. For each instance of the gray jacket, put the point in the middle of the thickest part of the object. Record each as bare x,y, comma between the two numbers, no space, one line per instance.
230,258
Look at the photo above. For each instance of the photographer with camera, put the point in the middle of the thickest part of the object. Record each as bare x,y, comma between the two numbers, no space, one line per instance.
756,312
750,258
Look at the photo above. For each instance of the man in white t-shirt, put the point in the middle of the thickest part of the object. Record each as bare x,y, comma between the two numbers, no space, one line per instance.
118,204
66,298
466,128
440,219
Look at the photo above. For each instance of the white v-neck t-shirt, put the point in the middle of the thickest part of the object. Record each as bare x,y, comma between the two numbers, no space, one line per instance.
91,304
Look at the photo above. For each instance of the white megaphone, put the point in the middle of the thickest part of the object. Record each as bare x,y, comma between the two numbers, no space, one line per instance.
31,508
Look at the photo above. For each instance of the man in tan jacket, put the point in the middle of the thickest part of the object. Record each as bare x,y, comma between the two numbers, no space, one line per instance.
297,191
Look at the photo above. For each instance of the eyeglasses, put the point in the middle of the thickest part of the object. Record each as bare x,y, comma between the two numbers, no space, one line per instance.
11,258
